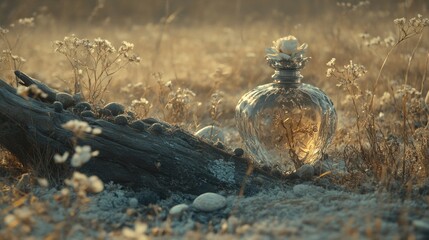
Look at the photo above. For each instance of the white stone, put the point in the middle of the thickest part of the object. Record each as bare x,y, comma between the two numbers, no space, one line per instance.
211,133
133,202
209,202
178,209
421,225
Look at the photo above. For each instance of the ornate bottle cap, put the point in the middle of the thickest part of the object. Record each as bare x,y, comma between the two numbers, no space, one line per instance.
286,54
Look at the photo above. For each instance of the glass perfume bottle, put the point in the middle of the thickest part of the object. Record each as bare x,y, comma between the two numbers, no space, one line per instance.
286,123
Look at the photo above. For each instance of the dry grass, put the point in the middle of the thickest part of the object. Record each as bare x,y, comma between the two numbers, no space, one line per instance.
193,72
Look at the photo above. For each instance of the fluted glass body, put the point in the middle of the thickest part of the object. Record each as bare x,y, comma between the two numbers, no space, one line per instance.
286,123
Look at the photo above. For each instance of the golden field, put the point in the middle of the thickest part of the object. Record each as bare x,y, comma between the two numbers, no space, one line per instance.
196,58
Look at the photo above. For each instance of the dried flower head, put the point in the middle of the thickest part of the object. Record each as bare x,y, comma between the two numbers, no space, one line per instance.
331,62
286,48
353,6
410,28
348,75
104,45
400,21
94,62
61,158
43,182
31,91
141,107
29,22
82,155
125,47
80,128
364,35
286,54
4,30
83,184
139,231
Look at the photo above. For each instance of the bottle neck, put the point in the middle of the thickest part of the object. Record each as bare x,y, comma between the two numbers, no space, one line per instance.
287,76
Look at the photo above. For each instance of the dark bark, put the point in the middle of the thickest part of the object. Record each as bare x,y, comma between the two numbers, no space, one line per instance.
169,159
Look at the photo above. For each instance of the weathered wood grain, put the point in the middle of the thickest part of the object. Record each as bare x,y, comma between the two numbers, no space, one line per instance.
162,161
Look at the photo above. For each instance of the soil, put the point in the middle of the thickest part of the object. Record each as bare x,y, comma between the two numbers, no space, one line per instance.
307,210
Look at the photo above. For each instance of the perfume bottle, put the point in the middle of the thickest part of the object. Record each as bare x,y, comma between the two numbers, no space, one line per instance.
285,124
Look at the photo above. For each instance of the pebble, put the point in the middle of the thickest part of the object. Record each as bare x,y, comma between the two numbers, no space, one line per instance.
133,202
238,152
121,120
82,106
78,97
58,106
115,108
156,129
139,125
66,99
177,210
88,114
105,112
151,120
219,145
131,115
211,133
422,226
305,172
209,202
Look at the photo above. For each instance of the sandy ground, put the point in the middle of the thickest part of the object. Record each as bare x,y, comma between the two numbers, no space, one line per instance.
304,210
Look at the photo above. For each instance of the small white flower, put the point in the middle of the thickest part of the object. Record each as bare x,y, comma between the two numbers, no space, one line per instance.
4,30
61,158
331,62
43,182
80,128
10,220
82,183
95,153
82,155
95,184
22,91
168,84
125,47
399,21
389,41
140,102
32,89
26,21
364,35
23,213
285,48
65,192
329,72
96,131
137,233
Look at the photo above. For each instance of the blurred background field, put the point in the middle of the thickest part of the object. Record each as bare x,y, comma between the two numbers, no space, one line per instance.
200,44
198,57
209,46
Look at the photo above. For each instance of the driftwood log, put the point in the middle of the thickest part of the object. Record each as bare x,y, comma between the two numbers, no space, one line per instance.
167,160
